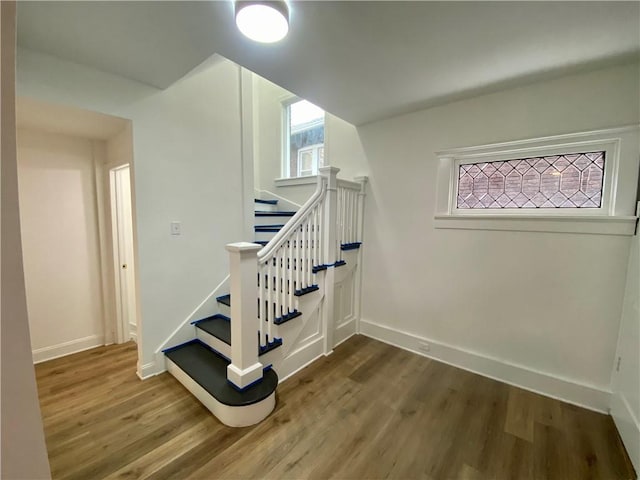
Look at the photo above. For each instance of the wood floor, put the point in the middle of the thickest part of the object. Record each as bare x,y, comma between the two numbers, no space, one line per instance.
367,411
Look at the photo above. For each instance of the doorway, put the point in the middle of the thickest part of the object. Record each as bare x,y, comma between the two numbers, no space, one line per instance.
123,253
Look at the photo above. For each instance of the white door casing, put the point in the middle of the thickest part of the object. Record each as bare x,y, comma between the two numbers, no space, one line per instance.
123,253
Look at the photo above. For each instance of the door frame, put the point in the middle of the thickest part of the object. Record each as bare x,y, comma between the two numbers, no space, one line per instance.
122,329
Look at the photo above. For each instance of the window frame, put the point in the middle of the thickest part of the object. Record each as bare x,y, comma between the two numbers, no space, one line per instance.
285,138
618,188
315,158
611,152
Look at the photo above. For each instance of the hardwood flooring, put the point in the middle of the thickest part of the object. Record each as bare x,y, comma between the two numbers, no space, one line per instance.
367,411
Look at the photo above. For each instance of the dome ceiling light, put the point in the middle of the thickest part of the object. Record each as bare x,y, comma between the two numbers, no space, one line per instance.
263,21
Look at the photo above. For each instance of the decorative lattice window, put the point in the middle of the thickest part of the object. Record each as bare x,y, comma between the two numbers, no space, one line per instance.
558,181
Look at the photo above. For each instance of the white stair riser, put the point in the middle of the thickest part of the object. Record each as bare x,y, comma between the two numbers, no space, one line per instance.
231,416
277,220
224,309
264,235
264,207
214,342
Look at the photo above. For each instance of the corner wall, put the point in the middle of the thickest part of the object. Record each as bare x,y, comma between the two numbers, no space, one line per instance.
342,144
536,309
186,142
23,452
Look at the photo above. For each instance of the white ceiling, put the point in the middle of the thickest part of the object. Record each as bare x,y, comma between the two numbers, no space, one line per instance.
37,115
359,60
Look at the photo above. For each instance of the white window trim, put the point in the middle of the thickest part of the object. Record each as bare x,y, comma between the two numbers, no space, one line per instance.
285,166
292,181
616,216
315,158
286,101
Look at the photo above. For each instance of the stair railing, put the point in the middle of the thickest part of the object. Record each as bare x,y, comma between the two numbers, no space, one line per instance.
350,200
310,242
288,263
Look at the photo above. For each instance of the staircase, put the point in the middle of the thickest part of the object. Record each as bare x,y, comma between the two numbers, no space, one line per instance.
238,384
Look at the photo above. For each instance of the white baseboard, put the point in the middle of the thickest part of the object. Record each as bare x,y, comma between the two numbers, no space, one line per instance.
564,389
628,427
344,332
150,369
67,348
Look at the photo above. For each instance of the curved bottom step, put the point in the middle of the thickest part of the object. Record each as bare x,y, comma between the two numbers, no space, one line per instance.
204,374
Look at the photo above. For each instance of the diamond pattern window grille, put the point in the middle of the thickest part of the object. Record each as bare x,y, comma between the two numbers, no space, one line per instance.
558,181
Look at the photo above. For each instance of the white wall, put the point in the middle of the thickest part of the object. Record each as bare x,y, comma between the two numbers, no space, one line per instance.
342,144
625,384
544,307
187,168
61,245
23,452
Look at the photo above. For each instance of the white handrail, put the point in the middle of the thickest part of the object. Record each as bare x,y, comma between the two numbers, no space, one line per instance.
296,221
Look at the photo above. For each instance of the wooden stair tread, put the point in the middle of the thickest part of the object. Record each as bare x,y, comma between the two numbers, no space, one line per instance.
219,326
209,370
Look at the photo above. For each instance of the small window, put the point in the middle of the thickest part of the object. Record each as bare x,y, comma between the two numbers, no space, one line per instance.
558,181
583,182
304,139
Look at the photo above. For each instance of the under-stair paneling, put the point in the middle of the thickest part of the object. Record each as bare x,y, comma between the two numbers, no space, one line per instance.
60,237
344,306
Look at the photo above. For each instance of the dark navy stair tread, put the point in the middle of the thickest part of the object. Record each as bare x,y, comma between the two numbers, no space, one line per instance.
286,317
225,300
275,214
261,242
350,246
304,291
267,228
210,372
267,202
218,326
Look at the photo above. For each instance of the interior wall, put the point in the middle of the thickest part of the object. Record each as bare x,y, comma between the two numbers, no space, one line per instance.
61,244
342,144
23,452
625,383
537,303
186,145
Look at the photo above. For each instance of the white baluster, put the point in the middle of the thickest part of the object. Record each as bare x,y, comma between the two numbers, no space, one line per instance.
298,257
309,251
261,306
316,235
353,218
269,316
303,264
289,277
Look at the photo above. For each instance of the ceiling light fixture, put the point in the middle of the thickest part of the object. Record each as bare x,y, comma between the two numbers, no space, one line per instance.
264,21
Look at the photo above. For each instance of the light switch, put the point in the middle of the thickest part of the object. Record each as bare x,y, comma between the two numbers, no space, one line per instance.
176,228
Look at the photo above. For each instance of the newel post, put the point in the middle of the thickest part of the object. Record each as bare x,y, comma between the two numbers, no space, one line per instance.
330,249
245,368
